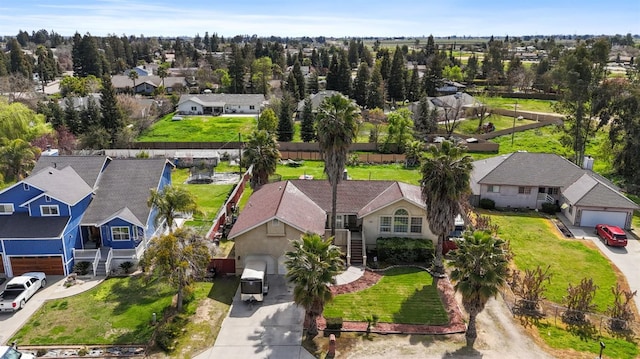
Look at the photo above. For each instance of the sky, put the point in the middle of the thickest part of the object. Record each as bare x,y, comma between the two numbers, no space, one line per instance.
330,18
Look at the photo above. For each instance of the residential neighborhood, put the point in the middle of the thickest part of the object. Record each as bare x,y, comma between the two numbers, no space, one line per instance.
406,187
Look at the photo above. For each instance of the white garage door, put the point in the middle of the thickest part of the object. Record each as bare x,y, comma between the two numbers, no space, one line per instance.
271,266
591,218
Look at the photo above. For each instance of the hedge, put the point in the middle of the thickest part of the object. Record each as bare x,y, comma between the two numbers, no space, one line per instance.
403,250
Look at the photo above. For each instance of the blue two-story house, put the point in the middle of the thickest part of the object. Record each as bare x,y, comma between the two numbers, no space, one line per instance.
79,208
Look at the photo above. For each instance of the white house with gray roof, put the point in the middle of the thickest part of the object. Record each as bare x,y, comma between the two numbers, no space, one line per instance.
527,180
218,104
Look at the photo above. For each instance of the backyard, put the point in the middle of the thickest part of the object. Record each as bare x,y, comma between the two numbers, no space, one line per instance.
199,129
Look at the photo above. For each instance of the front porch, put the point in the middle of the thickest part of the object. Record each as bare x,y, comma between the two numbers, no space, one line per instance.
105,260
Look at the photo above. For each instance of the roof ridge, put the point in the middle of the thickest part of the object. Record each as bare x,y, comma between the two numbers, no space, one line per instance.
508,155
599,182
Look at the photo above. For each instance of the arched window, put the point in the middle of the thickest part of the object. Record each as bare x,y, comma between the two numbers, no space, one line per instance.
401,221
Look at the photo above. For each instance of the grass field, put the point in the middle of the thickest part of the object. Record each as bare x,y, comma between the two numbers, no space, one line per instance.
470,126
535,242
199,129
523,104
403,295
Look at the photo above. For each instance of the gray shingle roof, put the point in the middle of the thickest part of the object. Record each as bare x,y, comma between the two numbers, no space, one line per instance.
125,183
88,167
588,191
62,184
21,225
217,99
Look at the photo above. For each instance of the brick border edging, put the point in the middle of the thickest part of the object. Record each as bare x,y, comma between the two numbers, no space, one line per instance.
447,295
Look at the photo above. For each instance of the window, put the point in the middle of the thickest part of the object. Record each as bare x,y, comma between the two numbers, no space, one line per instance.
401,221
524,190
120,233
494,189
555,191
51,210
339,221
6,208
193,108
25,186
275,222
385,224
252,107
416,224
47,199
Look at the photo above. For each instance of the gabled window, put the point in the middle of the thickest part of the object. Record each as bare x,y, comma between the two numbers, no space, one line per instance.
6,208
25,186
275,222
50,210
47,199
401,221
120,233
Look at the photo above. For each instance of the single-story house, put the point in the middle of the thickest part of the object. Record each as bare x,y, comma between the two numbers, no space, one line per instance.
79,208
146,85
218,104
366,210
527,180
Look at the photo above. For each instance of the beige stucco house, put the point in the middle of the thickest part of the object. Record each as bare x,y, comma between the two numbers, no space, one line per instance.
281,212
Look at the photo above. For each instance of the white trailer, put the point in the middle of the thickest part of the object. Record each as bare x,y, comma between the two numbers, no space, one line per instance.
253,282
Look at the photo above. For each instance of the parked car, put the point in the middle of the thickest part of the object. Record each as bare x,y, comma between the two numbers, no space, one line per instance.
611,235
19,289
11,352
455,236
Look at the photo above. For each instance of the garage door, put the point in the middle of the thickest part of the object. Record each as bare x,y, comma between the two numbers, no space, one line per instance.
271,267
49,265
591,218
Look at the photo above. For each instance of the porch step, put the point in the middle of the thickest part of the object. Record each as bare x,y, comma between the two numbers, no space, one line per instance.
101,271
356,250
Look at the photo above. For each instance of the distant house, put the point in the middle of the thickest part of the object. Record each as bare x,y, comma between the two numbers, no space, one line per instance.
218,104
79,208
366,210
79,103
316,101
146,85
140,70
528,180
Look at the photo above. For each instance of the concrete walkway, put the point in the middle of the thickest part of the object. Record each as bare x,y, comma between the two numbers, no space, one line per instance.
349,275
55,289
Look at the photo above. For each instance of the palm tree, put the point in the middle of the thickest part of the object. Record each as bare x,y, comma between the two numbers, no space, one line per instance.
336,131
261,151
133,75
16,158
178,256
445,186
480,268
163,73
312,265
169,201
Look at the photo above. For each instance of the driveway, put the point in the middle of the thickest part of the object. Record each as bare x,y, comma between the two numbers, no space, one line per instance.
626,259
271,329
11,322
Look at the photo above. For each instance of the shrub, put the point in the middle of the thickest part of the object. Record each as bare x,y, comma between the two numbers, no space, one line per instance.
167,334
334,323
83,351
487,203
126,267
398,250
82,268
550,208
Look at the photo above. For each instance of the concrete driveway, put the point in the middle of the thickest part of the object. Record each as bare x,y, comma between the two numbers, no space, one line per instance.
271,329
11,322
626,259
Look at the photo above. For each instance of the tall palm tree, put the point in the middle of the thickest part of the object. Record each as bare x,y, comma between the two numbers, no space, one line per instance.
168,202
336,130
312,265
163,73
261,151
133,76
445,187
16,158
480,268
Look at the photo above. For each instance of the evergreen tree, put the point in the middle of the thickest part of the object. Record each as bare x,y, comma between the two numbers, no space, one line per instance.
111,119
424,121
360,84
395,83
414,90
471,70
90,116
344,75
332,75
353,56
313,85
307,125
430,49
19,63
432,78
385,64
292,86
297,73
375,90
71,117
237,70
285,122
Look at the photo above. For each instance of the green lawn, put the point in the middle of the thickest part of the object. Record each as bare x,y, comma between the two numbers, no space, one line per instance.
118,311
523,104
199,129
470,127
393,172
403,295
535,242
562,339
210,197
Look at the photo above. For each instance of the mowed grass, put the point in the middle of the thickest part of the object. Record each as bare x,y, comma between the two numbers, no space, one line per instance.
210,197
403,295
536,242
199,129
470,126
118,311
508,103
391,172
561,338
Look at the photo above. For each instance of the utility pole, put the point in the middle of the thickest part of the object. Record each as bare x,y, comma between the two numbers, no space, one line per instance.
240,151
513,130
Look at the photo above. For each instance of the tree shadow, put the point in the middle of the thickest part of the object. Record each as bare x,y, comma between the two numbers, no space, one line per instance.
224,289
422,301
528,317
464,352
278,332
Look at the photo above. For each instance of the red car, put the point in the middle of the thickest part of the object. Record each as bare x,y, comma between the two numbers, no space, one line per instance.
611,235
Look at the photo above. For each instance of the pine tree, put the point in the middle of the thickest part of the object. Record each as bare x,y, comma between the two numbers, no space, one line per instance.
313,86
297,73
307,126
292,86
360,84
413,90
432,78
385,64
237,70
285,122
111,119
344,75
375,90
332,75
396,77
